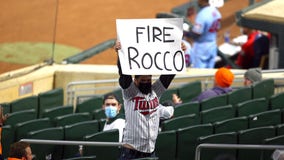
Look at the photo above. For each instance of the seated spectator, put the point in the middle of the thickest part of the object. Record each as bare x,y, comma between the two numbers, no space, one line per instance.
114,120
222,84
20,151
252,75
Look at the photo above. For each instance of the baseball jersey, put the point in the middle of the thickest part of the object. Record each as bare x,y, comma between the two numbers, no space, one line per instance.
142,117
141,111
204,50
207,23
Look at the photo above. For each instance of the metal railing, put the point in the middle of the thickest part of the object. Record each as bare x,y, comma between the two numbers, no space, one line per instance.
79,89
63,142
234,146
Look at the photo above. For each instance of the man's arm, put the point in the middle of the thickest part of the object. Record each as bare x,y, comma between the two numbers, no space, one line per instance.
124,80
167,79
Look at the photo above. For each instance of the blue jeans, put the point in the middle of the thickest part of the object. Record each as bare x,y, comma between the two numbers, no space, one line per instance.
128,154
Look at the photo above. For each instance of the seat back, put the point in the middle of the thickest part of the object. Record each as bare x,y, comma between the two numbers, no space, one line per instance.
253,136
26,103
280,129
221,138
276,101
217,114
270,117
103,152
43,151
188,137
166,145
50,99
98,114
90,104
57,111
167,95
189,91
21,129
187,108
69,119
77,132
253,106
277,140
6,108
8,137
81,158
231,125
180,122
20,116
220,100
264,88
239,95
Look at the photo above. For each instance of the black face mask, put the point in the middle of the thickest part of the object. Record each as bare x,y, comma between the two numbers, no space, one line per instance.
145,88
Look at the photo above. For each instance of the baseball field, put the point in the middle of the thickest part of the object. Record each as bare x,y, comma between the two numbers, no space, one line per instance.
34,31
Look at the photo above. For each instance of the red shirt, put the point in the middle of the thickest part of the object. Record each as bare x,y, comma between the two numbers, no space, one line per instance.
245,58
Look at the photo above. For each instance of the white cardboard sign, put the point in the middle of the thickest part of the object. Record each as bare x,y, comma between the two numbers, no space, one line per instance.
150,46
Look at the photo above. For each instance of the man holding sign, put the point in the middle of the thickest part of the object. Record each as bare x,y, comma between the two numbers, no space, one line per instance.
146,49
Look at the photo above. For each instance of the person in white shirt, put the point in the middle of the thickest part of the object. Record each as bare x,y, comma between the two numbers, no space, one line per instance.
114,120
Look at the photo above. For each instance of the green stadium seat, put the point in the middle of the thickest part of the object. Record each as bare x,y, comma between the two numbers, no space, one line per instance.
8,137
253,136
270,117
57,111
50,99
99,114
187,108
280,129
212,102
252,107
217,114
188,137
231,125
43,151
147,158
264,88
81,158
6,108
101,124
220,138
21,129
277,140
167,96
180,122
90,104
103,152
166,145
69,119
189,91
26,103
77,132
239,95
20,116
276,101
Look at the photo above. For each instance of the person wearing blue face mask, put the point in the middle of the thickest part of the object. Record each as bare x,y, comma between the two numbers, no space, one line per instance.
114,120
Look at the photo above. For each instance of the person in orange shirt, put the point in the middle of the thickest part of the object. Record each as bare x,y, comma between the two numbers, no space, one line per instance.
20,151
2,120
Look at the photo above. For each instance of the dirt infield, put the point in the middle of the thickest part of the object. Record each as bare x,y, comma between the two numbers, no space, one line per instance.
83,24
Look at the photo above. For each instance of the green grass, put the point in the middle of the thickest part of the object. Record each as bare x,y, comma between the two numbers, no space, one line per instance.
33,53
